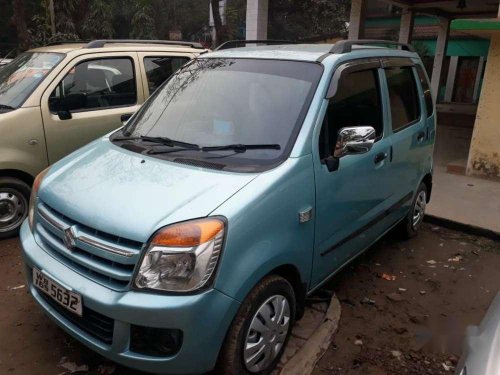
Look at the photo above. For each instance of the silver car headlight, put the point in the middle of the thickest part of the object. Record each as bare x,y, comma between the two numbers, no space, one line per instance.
34,195
182,257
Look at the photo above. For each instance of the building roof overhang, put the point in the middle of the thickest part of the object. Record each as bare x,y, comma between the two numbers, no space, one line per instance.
449,8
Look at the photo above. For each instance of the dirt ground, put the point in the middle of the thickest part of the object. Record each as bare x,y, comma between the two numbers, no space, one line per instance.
448,280
444,282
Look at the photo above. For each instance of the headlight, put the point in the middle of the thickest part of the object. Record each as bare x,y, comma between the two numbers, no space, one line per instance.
182,257
34,194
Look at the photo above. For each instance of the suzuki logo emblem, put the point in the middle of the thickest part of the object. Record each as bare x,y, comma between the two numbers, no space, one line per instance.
70,238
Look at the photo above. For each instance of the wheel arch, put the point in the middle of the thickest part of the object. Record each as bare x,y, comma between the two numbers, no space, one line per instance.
16,173
290,273
427,180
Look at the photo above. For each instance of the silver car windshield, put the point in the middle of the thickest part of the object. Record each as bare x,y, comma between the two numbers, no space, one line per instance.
20,77
215,102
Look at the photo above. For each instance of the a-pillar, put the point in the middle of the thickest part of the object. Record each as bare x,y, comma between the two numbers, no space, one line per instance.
440,55
257,16
357,19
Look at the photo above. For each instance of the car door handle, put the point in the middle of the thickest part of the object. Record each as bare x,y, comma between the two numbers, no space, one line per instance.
420,136
380,157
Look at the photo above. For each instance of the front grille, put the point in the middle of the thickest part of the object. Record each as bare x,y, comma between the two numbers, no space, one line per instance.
93,323
106,259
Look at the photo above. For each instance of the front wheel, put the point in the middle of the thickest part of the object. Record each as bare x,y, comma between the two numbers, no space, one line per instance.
260,330
412,222
14,205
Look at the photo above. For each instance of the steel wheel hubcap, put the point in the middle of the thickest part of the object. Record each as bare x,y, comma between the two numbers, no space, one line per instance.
419,209
267,333
13,208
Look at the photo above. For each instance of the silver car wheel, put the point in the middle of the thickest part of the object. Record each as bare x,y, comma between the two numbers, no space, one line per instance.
267,333
13,209
419,209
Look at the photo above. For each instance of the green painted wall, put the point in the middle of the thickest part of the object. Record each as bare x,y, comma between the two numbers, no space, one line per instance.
462,47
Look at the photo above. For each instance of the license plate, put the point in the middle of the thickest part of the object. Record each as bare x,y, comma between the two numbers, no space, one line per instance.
66,298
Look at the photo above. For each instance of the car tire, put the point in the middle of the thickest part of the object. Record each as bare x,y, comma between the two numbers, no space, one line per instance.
410,225
272,295
14,205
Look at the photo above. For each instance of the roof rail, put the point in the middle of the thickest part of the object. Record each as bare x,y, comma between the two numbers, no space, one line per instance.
345,46
241,43
101,42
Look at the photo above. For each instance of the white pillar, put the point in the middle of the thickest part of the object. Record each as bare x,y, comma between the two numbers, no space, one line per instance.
257,16
441,47
450,80
477,83
357,20
406,27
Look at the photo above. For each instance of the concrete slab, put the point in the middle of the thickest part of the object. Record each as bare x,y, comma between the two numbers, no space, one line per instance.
458,198
466,200
305,359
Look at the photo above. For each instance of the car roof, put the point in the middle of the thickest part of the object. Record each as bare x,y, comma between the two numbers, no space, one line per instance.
305,52
119,47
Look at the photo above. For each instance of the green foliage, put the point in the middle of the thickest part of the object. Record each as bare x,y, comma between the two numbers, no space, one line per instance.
66,13
236,19
98,22
154,19
302,20
143,23
40,33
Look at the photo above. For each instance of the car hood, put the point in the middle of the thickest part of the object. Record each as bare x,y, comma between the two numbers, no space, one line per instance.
482,349
131,195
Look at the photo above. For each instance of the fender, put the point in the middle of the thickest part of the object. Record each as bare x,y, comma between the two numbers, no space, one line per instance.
267,234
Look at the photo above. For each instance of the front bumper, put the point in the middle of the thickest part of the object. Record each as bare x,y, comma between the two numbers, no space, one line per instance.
203,318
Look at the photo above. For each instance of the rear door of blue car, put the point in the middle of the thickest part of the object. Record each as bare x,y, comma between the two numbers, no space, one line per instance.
408,124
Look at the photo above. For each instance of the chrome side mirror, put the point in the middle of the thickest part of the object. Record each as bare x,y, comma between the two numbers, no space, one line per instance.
354,140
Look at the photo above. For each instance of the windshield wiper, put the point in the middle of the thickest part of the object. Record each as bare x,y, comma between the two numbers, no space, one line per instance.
240,148
170,142
7,107
164,141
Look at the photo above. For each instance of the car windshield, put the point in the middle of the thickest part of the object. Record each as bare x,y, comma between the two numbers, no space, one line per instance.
20,77
220,102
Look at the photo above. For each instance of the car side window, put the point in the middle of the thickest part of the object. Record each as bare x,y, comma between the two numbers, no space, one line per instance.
356,103
96,84
427,90
160,68
403,96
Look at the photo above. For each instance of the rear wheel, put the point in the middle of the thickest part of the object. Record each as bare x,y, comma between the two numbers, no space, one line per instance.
412,222
14,205
260,330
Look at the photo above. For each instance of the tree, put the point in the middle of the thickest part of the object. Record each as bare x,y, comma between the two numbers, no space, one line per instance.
143,23
220,29
303,20
19,21
98,22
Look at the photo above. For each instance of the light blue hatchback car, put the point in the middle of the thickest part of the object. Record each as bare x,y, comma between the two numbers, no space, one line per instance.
189,239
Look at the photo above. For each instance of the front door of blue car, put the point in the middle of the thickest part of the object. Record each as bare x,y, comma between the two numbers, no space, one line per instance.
351,197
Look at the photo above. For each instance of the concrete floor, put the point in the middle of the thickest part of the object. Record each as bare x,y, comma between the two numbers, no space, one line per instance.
464,199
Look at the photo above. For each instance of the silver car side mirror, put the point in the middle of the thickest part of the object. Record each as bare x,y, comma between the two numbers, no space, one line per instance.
354,140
